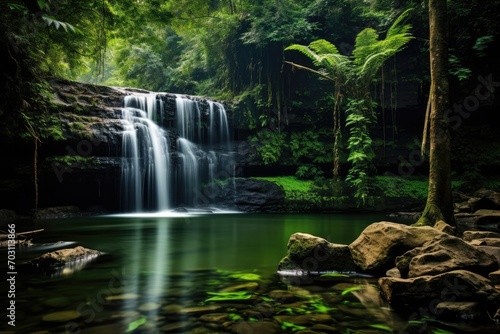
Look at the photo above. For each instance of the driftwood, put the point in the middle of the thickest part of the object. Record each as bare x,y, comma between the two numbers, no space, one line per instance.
22,238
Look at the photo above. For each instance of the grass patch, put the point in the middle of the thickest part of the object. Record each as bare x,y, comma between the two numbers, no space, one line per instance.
290,183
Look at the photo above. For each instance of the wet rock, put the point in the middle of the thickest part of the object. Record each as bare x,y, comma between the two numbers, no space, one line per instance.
125,296
459,311
57,302
215,317
172,309
149,307
310,253
325,328
261,327
176,327
304,319
64,256
459,285
251,195
103,329
264,309
472,235
282,296
377,247
197,310
63,316
443,254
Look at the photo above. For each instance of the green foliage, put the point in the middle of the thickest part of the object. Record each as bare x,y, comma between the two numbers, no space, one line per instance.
360,147
351,289
401,187
456,69
352,77
290,326
46,126
245,276
277,21
309,146
382,327
136,324
308,172
269,145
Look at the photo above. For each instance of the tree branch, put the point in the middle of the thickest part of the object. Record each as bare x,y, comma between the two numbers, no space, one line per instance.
310,70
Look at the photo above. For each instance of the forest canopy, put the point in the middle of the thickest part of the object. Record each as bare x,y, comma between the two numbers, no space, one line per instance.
234,50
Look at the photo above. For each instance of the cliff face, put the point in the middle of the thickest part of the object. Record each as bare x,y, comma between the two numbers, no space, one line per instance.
82,164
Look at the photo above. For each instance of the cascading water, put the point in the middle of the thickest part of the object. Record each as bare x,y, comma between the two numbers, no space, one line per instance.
146,157
157,178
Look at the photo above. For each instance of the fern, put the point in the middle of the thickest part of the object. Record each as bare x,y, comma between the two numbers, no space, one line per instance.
352,77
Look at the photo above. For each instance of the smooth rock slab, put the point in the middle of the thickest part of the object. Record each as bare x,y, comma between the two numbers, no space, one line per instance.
458,285
444,254
377,247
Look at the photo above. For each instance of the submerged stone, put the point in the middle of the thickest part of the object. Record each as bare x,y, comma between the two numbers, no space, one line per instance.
63,316
261,327
63,256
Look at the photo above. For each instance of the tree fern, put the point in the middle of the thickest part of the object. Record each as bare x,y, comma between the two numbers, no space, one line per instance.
352,77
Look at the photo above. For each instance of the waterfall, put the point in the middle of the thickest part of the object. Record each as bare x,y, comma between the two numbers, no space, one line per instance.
154,177
145,155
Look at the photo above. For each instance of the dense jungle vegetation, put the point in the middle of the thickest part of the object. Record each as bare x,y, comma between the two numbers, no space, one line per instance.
322,89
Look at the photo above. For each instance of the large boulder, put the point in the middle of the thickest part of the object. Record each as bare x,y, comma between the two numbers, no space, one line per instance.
377,247
443,254
309,253
453,286
250,195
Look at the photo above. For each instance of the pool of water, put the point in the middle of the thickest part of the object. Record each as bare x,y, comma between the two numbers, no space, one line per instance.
159,273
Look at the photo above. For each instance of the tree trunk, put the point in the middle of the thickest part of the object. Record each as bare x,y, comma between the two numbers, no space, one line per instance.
439,204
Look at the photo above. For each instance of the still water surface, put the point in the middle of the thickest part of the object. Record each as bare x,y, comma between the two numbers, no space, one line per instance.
154,264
